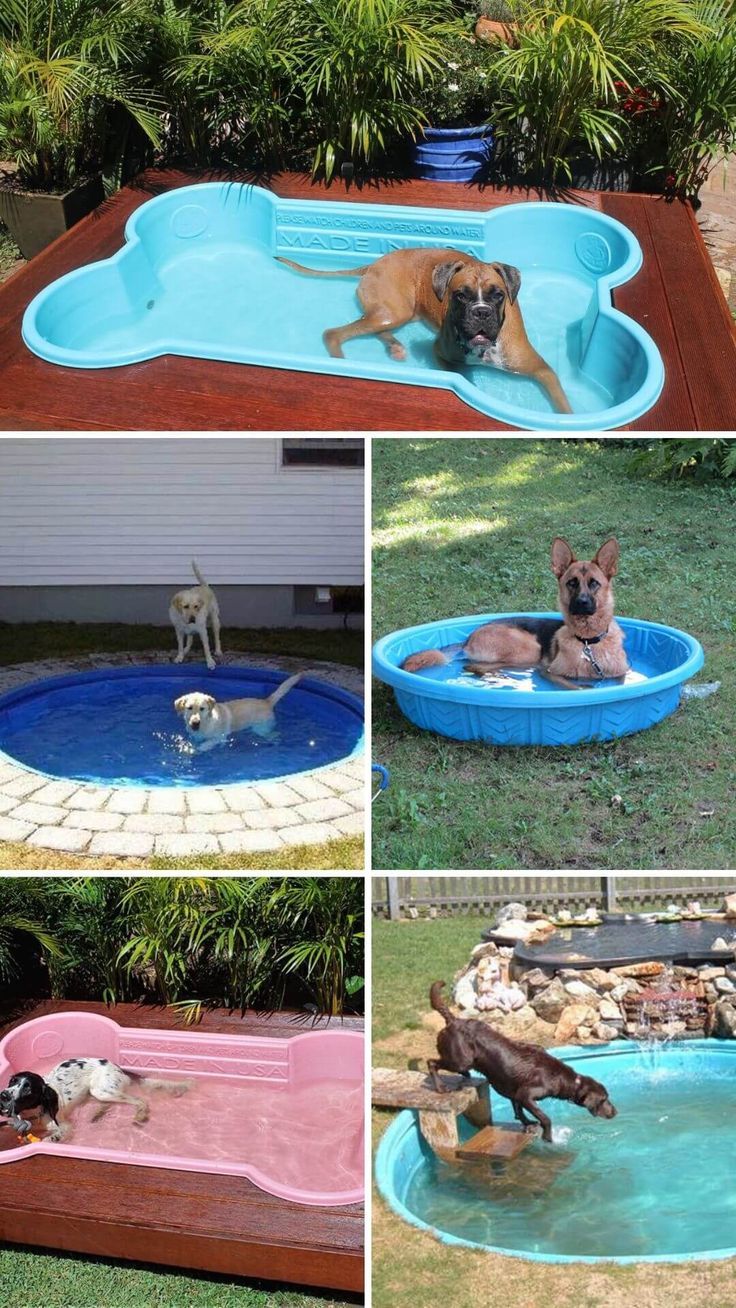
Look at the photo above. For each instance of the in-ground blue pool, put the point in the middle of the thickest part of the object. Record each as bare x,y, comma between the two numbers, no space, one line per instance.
522,708
197,276
119,727
653,1184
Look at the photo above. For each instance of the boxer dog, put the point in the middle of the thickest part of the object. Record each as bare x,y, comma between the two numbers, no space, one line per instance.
586,645
472,304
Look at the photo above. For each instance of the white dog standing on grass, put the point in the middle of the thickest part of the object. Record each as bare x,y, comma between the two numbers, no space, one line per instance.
210,722
190,611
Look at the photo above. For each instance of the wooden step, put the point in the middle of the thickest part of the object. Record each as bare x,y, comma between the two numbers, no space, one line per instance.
438,1110
496,1142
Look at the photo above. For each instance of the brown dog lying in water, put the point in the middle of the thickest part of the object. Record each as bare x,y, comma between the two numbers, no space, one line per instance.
587,644
520,1072
472,305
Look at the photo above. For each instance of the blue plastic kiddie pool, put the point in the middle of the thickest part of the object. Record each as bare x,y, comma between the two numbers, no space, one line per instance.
197,276
653,1184
522,708
119,727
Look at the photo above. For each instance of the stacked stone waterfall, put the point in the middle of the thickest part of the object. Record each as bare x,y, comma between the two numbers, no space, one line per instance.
597,1004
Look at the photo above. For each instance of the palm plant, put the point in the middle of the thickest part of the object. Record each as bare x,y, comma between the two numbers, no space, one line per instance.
698,122
66,66
164,915
559,81
325,914
234,933
89,916
22,913
236,78
362,64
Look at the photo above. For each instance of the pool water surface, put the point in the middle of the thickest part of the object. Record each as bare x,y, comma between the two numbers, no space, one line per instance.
121,728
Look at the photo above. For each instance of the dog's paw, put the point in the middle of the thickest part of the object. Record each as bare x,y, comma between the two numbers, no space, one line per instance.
178,658
427,658
55,1135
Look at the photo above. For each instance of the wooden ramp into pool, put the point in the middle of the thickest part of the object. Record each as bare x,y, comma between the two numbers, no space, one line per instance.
191,1220
439,1112
675,297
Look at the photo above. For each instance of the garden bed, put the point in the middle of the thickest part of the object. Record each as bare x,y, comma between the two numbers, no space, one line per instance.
181,1219
675,297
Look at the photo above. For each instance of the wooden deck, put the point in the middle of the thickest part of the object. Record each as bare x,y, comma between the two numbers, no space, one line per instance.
676,297
180,1219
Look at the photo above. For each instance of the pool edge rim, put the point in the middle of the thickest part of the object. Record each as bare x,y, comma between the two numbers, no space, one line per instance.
405,1120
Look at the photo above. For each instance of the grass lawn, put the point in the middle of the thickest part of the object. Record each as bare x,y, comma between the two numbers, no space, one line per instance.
463,526
25,642
411,1267
42,1280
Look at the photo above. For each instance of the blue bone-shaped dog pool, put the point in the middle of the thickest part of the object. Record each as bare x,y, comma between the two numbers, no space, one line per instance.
197,276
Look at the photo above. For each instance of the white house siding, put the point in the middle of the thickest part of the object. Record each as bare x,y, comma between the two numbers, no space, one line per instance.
132,512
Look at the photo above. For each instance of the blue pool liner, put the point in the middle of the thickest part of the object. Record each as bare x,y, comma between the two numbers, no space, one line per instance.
506,716
184,672
402,1144
197,277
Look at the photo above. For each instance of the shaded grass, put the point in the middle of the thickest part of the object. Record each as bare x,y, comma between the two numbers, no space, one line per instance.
346,853
32,1279
411,1267
23,642
463,526
9,252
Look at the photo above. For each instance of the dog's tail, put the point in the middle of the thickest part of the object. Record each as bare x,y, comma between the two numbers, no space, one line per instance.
198,575
157,1083
438,1003
426,658
324,272
284,688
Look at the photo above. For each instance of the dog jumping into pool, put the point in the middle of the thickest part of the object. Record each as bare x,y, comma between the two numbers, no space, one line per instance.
472,305
190,612
520,1072
209,722
51,1099
586,645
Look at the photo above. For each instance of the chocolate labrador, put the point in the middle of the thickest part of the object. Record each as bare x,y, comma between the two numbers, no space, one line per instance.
520,1072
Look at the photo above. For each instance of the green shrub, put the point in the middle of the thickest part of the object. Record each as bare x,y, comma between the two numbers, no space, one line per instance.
69,96
190,941
460,91
558,84
363,64
713,458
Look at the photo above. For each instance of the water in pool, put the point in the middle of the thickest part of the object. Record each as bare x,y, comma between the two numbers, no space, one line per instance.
293,313
125,731
307,1136
656,1179
526,679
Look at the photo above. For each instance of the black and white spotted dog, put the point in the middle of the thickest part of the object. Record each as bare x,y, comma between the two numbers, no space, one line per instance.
50,1100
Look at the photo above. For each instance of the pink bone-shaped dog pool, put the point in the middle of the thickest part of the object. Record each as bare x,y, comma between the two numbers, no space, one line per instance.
286,1113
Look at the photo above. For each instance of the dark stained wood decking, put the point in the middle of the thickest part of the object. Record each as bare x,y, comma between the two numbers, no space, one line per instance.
675,296
180,1219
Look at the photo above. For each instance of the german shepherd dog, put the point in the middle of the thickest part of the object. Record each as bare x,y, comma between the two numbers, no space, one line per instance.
586,645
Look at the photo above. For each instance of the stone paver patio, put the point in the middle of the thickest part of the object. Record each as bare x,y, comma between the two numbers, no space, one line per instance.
77,817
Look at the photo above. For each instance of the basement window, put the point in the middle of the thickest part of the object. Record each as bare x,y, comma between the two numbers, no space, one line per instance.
322,452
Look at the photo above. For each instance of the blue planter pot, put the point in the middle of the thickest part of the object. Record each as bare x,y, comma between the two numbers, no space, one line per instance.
454,154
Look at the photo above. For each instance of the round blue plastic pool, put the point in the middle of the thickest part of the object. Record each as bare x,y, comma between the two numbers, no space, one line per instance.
653,1184
119,727
523,709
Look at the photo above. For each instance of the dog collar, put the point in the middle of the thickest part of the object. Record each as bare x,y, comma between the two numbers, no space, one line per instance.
592,640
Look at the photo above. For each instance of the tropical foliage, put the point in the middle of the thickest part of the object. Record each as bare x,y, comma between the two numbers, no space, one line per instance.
711,458
106,85
191,941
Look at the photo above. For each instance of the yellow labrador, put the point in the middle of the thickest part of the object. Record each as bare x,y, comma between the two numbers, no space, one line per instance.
190,611
210,722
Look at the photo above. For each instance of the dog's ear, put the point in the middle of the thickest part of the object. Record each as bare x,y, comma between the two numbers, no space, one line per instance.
442,275
208,701
562,556
511,278
607,558
181,703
